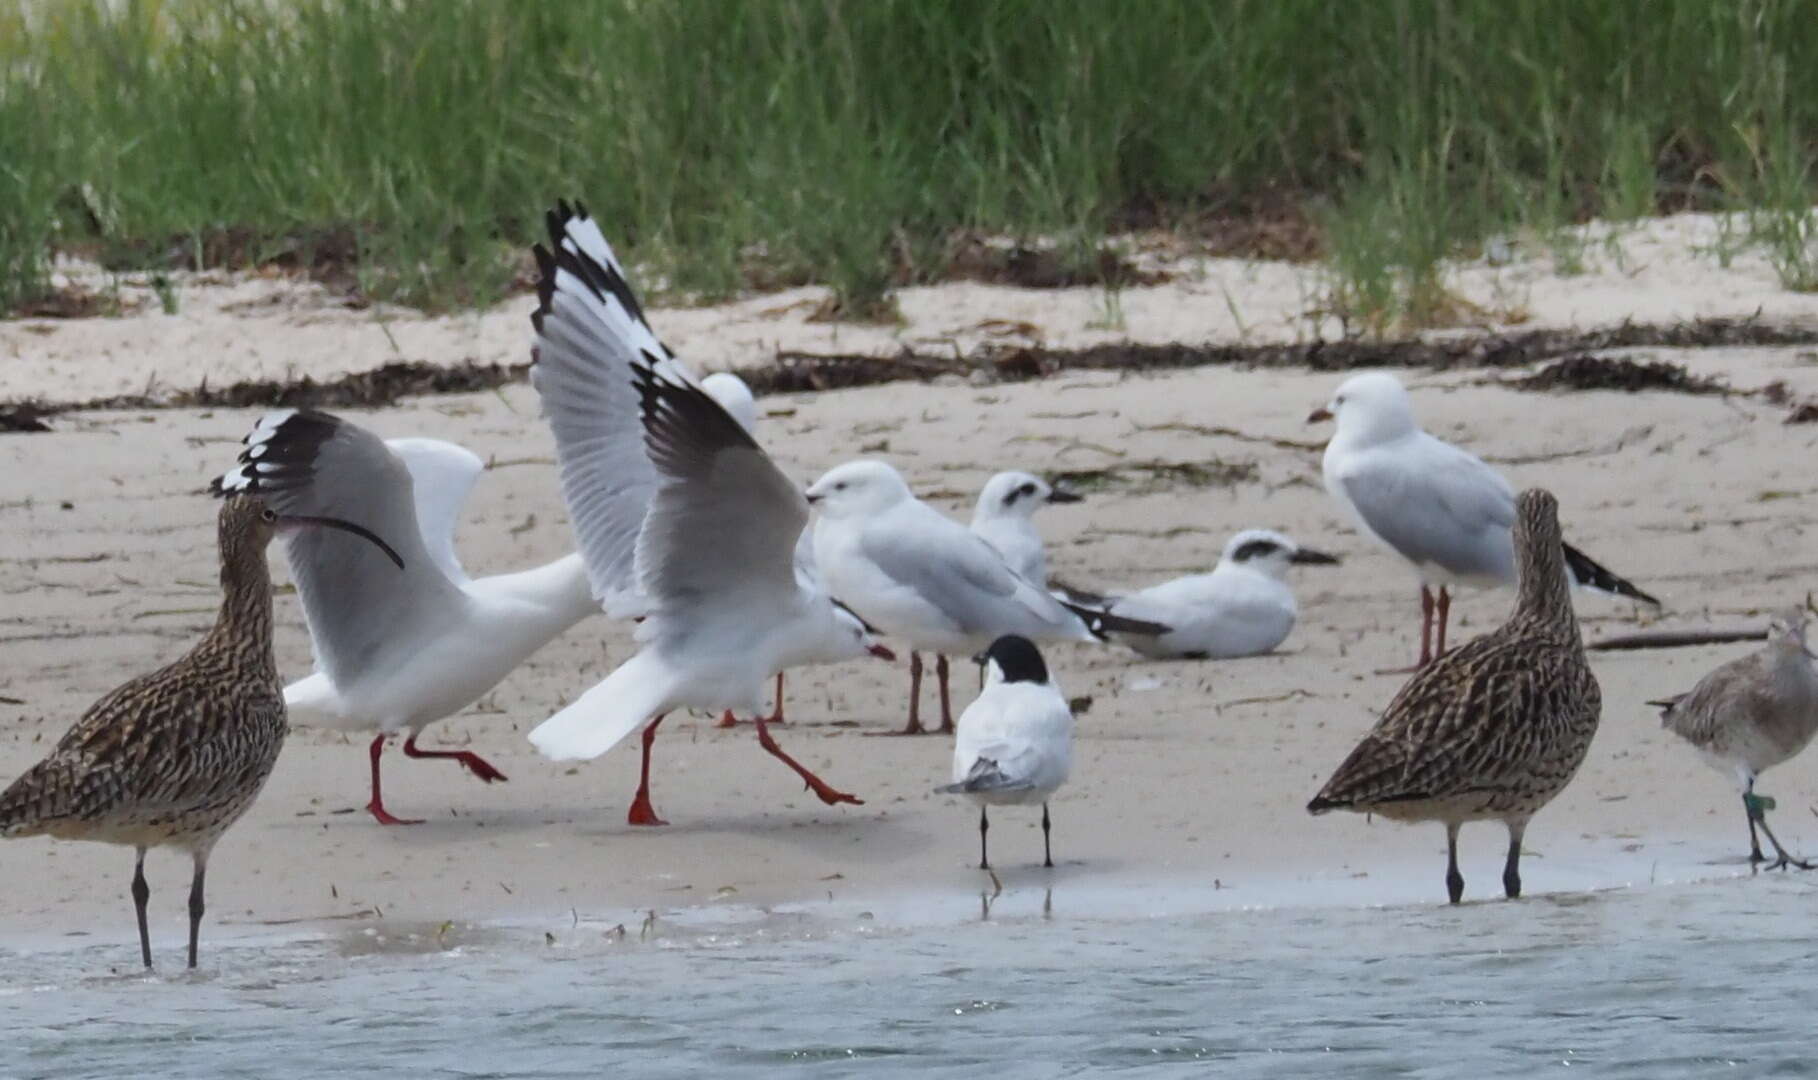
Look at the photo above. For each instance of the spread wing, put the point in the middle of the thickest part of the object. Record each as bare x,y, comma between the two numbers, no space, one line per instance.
590,329
356,601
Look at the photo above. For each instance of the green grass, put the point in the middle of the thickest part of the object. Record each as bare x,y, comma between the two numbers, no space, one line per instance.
730,143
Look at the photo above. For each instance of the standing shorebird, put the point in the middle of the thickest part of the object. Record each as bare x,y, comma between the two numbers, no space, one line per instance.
1005,518
175,757
917,574
396,652
1492,730
1015,742
1440,508
1752,714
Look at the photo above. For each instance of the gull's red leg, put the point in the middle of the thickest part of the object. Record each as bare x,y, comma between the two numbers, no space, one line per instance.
940,674
776,714
475,764
828,795
1445,610
1426,636
641,812
915,700
377,806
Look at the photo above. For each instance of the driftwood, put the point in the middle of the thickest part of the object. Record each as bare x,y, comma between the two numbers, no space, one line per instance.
1675,639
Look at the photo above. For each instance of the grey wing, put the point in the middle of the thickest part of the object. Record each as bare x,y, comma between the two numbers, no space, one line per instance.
590,329
725,520
1452,511
354,598
442,475
963,577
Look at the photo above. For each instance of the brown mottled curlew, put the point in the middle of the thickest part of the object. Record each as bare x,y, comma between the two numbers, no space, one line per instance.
1492,730
175,757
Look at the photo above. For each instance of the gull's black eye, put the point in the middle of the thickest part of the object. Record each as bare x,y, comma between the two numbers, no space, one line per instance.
841,486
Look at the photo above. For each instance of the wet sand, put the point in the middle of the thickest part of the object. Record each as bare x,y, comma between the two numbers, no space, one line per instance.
1190,779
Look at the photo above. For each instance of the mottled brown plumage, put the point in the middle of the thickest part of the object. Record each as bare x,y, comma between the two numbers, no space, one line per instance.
1751,714
1492,730
174,757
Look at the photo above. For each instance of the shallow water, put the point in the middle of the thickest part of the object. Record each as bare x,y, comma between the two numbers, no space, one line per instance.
1662,982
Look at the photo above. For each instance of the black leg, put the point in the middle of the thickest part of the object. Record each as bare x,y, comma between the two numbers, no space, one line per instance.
1511,870
1047,852
1443,613
141,895
1758,819
1454,879
1754,815
984,826
195,906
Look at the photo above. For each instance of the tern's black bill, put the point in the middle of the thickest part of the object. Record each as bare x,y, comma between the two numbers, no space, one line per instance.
1307,556
360,531
1059,496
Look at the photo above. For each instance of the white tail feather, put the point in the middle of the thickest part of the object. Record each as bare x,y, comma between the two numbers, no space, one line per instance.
628,699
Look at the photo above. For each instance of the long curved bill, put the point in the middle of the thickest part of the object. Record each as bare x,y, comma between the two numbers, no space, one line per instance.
360,531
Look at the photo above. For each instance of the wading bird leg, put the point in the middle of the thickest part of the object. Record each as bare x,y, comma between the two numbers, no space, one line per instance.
641,812
1511,870
826,794
1454,879
473,762
142,896
1758,816
377,806
1047,852
195,904
984,826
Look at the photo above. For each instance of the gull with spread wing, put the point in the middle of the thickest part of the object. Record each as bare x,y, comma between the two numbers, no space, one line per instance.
682,519
396,651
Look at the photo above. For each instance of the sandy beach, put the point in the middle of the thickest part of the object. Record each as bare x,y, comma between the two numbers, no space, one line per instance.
1190,778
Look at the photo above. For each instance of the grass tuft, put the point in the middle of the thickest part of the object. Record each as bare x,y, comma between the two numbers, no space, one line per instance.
404,151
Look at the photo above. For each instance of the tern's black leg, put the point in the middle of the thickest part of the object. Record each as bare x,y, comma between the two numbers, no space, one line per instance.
984,826
141,896
1047,852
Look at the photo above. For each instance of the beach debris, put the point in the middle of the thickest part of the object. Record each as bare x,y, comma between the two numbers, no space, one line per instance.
1586,371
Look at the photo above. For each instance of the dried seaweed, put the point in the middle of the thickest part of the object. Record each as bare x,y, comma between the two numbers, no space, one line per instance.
1586,371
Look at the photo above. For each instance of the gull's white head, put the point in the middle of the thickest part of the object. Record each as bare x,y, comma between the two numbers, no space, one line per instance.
857,489
734,396
1372,407
1270,552
1017,495
859,637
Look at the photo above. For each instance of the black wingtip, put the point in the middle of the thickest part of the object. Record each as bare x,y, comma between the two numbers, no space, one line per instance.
1588,572
284,458
1103,623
